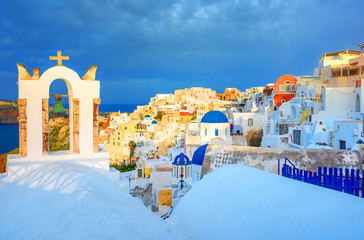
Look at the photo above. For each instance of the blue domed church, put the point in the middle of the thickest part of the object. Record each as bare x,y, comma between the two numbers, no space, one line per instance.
215,129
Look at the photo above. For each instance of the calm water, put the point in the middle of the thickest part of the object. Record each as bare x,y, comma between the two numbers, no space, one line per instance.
8,137
117,107
114,107
9,133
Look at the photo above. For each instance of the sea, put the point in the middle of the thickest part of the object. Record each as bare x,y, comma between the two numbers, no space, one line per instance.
9,133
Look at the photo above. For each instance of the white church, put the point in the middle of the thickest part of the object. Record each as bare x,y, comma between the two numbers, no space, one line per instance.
214,128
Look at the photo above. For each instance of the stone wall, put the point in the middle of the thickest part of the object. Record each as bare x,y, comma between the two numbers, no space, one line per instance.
267,158
254,138
23,126
2,164
96,104
76,126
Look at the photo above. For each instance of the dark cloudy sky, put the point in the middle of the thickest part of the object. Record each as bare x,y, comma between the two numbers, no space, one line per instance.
144,47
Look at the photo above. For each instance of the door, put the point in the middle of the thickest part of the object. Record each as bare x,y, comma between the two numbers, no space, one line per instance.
297,137
140,173
342,144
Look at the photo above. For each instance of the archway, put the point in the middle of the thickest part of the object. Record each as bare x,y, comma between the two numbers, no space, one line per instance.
33,102
293,112
59,121
357,103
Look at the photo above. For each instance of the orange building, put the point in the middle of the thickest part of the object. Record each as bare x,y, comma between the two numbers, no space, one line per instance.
284,89
230,94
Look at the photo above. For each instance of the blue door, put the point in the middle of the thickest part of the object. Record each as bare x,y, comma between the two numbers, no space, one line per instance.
342,144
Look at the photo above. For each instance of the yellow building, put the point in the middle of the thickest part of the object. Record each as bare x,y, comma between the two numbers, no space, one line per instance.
201,109
118,152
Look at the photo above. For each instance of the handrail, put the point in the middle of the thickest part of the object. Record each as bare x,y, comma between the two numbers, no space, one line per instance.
285,162
167,214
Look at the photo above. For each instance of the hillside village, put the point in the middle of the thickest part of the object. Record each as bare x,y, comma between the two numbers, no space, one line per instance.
190,158
319,115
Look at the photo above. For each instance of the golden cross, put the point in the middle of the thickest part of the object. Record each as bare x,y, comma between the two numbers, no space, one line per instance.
59,58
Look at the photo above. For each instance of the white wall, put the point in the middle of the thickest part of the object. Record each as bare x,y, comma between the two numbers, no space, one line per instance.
337,102
161,179
223,132
196,172
241,122
275,141
349,131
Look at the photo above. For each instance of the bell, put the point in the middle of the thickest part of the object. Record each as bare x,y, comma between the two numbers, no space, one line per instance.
58,106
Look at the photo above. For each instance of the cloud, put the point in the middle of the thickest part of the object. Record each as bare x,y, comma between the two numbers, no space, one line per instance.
215,42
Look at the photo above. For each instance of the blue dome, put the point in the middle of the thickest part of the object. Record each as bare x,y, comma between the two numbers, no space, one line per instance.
147,116
181,160
154,122
199,155
214,117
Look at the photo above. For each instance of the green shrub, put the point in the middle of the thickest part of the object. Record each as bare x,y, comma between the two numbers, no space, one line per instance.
124,167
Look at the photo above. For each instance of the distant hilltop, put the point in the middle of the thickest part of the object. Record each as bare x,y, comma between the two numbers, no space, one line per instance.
8,102
8,111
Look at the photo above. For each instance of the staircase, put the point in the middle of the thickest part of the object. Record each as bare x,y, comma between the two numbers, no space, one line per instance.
147,196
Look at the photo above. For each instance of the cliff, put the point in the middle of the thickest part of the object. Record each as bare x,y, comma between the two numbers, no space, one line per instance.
59,134
8,111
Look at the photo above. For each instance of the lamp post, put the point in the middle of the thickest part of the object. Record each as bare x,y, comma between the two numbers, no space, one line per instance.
181,181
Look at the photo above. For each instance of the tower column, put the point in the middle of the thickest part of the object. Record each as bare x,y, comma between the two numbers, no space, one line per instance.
76,125
97,102
45,125
22,107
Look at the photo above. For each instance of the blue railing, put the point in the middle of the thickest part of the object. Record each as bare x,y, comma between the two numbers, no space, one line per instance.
348,181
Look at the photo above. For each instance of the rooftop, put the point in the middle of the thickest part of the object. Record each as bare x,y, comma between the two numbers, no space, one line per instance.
214,117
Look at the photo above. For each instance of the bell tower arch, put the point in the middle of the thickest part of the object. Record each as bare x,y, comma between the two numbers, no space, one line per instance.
33,99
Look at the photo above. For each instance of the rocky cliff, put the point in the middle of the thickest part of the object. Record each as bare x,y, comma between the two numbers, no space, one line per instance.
8,111
59,134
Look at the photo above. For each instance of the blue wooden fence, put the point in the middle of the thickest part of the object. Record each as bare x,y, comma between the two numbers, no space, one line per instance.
348,181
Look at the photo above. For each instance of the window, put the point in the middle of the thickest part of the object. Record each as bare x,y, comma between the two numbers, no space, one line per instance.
287,89
216,132
274,102
205,131
281,87
250,122
225,131
342,144
293,87
287,85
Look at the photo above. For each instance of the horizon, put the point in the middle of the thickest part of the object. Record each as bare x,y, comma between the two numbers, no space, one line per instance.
144,48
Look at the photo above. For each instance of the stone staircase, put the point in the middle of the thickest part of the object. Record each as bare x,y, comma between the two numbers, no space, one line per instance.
147,196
